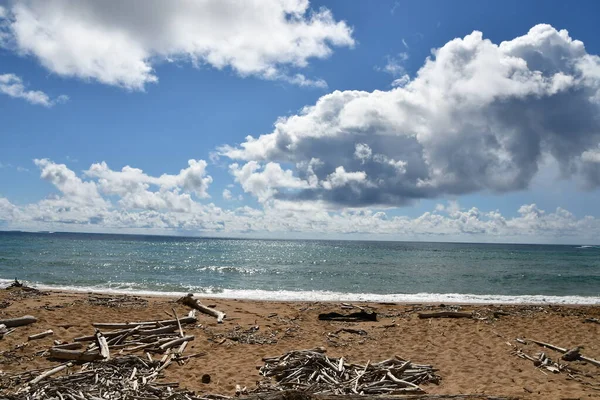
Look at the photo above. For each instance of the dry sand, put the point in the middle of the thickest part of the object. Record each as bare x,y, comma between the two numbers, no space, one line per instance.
472,355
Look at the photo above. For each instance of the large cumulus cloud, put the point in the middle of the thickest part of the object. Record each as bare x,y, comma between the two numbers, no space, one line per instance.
118,42
477,116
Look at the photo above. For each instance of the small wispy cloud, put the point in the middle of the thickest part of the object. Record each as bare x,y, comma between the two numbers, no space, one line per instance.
395,7
394,65
13,86
405,44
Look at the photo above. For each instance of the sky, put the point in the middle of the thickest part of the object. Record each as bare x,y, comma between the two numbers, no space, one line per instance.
388,120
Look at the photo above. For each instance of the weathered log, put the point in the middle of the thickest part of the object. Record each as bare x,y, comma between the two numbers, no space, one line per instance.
352,317
157,331
190,301
445,314
74,355
103,345
68,346
146,324
40,335
50,372
12,322
175,342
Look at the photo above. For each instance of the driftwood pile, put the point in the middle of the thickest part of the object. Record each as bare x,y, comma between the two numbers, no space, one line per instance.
158,336
125,377
312,371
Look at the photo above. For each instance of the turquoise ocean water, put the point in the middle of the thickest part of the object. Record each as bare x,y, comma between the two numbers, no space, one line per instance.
304,270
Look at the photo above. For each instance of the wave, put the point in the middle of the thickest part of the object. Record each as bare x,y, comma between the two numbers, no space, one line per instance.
289,295
587,247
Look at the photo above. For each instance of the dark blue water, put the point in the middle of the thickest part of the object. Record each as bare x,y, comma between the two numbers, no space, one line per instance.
272,269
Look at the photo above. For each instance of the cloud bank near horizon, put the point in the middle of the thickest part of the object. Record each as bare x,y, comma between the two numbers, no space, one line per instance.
105,200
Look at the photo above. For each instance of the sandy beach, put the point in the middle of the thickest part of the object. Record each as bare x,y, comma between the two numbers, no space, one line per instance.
474,356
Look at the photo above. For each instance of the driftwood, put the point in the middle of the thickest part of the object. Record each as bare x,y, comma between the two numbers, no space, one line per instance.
12,322
313,372
40,335
563,350
190,301
175,342
50,372
103,345
445,314
68,346
74,355
297,395
120,378
361,315
147,324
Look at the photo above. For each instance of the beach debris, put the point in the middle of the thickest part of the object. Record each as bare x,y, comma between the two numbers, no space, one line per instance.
191,302
41,335
124,377
313,372
592,320
12,322
158,337
297,395
445,314
541,360
117,301
572,353
358,316
145,324
20,290
360,332
15,284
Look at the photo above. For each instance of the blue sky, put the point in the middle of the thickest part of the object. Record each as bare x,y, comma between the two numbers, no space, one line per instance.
389,148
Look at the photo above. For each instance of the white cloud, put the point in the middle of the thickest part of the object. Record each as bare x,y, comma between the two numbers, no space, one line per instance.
591,156
395,65
13,86
265,184
227,194
340,178
477,116
401,82
129,180
119,43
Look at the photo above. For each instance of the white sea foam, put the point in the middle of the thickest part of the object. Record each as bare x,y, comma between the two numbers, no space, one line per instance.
288,295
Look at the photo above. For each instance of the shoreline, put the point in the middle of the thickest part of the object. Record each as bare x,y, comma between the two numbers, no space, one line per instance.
473,355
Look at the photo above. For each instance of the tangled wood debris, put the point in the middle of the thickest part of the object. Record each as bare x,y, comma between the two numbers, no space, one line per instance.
313,372
158,336
126,377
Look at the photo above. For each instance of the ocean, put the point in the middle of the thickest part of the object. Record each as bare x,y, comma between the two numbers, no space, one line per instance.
304,269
